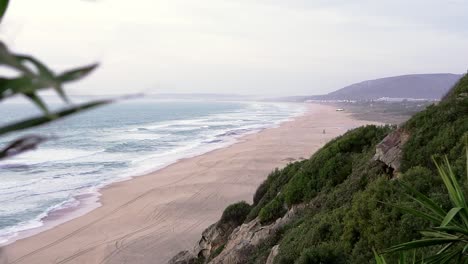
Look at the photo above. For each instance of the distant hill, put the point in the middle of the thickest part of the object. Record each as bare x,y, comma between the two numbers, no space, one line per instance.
416,86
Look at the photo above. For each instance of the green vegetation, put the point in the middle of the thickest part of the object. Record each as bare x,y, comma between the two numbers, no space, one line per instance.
403,259
273,210
332,164
235,213
350,196
269,189
438,130
450,233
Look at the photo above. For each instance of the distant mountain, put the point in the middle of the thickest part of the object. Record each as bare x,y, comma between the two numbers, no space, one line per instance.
416,86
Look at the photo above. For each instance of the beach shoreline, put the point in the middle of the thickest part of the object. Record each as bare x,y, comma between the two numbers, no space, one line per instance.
169,215
90,199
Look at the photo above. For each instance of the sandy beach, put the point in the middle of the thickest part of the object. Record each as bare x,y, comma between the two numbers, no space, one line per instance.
150,218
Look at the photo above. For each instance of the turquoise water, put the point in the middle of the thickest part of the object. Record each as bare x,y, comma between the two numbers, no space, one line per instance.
91,150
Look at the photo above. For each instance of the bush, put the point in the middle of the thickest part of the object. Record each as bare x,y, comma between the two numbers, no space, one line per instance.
273,210
235,213
272,186
438,130
325,253
260,192
332,164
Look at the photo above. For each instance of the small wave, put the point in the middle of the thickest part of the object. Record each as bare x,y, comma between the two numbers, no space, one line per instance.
7,234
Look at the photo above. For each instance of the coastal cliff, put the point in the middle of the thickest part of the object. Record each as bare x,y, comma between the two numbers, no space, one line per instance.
331,208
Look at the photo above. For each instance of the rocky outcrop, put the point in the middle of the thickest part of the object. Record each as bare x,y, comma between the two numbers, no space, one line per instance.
213,238
390,149
273,253
247,236
183,257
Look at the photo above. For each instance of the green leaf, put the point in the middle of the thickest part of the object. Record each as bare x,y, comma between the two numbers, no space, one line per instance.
454,190
445,248
452,228
465,248
426,202
45,74
8,59
420,214
402,258
451,214
76,74
442,258
378,258
419,243
3,8
38,101
36,121
438,234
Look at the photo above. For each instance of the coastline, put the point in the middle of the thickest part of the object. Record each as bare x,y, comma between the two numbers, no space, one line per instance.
89,200
152,217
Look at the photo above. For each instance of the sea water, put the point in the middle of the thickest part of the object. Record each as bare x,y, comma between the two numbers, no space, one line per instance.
112,143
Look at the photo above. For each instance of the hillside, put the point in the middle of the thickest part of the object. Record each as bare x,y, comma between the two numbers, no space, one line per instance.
334,206
417,86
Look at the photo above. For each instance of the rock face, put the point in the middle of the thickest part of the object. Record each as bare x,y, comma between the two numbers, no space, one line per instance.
247,236
214,237
389,151
273,253
183,257
238,242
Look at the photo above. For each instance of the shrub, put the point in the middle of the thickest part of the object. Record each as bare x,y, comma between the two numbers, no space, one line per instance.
438,130
273,185
236,213
272,210
325,253
332,164
260,192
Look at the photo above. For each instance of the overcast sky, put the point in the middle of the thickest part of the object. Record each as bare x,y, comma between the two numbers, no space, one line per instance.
277,47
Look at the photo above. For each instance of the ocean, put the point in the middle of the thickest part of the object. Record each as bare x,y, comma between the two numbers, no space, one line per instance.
113,143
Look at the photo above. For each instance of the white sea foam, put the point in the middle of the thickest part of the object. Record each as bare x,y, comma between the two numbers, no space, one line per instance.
47,155
12,232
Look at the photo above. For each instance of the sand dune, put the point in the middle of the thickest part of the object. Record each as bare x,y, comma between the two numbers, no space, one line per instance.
150,218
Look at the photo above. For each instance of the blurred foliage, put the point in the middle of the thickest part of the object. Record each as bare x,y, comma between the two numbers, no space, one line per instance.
3,8
33,76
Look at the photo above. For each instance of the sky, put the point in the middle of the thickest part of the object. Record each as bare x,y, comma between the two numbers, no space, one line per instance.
262,47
